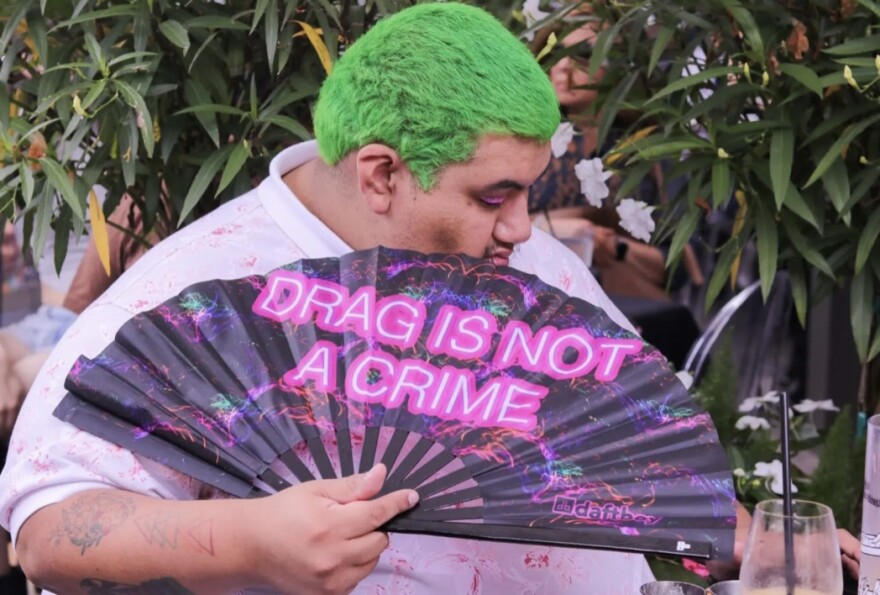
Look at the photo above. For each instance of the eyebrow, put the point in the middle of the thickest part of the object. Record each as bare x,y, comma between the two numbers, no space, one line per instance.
504,185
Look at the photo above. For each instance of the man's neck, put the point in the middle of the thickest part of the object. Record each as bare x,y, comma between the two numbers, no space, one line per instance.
328,199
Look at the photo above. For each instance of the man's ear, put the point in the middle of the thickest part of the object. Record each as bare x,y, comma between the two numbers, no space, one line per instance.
378,169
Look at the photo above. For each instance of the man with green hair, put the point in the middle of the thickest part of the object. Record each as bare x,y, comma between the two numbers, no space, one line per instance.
430,131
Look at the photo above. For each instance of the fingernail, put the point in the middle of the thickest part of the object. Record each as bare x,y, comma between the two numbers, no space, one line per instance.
413,498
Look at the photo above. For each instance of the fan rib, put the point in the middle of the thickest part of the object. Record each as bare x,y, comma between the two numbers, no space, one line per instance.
426,471
470,513
368,451
445,482
395,445
346,456
319,455
295,465
450,499
412,458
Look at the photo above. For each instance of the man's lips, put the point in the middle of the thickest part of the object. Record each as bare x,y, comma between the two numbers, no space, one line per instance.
501,257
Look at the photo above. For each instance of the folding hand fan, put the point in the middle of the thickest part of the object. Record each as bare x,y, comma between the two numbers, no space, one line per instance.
517,412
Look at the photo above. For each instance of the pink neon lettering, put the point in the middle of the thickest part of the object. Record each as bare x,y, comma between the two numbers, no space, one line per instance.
399,321
520,403
318,365
322,296
570,339
612,353
356,385
280,296
357,314
437,338
517,346
413,380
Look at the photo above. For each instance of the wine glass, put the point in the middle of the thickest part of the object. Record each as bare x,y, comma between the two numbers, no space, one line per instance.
815,568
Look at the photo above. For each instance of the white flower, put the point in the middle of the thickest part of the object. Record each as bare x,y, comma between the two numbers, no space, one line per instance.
533,14
592,176
750,403
739,472
561,138
773,471
752,422
635,217
808,405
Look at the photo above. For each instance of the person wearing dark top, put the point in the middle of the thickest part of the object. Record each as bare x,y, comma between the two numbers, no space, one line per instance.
624,265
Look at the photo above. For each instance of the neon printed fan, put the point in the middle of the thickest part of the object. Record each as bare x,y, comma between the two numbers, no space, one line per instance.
517,412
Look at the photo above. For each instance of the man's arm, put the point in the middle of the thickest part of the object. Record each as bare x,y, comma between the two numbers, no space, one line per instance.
319,537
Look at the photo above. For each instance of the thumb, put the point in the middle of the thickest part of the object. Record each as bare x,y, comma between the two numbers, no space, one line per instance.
362,486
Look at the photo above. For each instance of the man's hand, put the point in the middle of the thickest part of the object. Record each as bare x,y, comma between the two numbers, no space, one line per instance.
322,536
850,552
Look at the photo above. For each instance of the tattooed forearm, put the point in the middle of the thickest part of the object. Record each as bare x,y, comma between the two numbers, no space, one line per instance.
168,530
92,516
161,586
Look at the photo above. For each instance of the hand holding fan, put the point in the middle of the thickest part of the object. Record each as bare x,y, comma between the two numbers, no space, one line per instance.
517,412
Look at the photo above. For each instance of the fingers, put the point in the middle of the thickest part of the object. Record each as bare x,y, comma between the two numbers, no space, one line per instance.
849,545
366,548
350,489
362,517
851,566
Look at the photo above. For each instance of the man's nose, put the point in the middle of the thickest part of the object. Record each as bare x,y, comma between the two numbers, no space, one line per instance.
514,225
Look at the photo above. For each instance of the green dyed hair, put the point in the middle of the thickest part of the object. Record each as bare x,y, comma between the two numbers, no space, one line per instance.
428,82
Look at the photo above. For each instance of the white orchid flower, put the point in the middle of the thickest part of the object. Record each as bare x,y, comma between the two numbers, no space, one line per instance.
533,14
751,422
808,406
635,217
592,175
739,472
773,472
751,403
561,138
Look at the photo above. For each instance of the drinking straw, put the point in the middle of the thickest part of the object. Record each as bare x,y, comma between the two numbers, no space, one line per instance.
786,496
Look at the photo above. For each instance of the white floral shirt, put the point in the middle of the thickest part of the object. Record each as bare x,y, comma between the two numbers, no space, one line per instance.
50,460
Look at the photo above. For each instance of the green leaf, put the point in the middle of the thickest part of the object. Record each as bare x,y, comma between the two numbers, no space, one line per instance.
805,249
671,148
781,160
27,183
62,236
861,310
59,180
875,347
43,222
684,231
795,201
833,153
867,240
804,75
856,46
748,25
870,5
203,178
176,34
798,288
124,10
694,79
212,108
721,272
134,99
768,248
258,13
214,22
836,183
94,49
664,35
612,106
197,96
289,124
237,159
271,29
11,25
720,182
